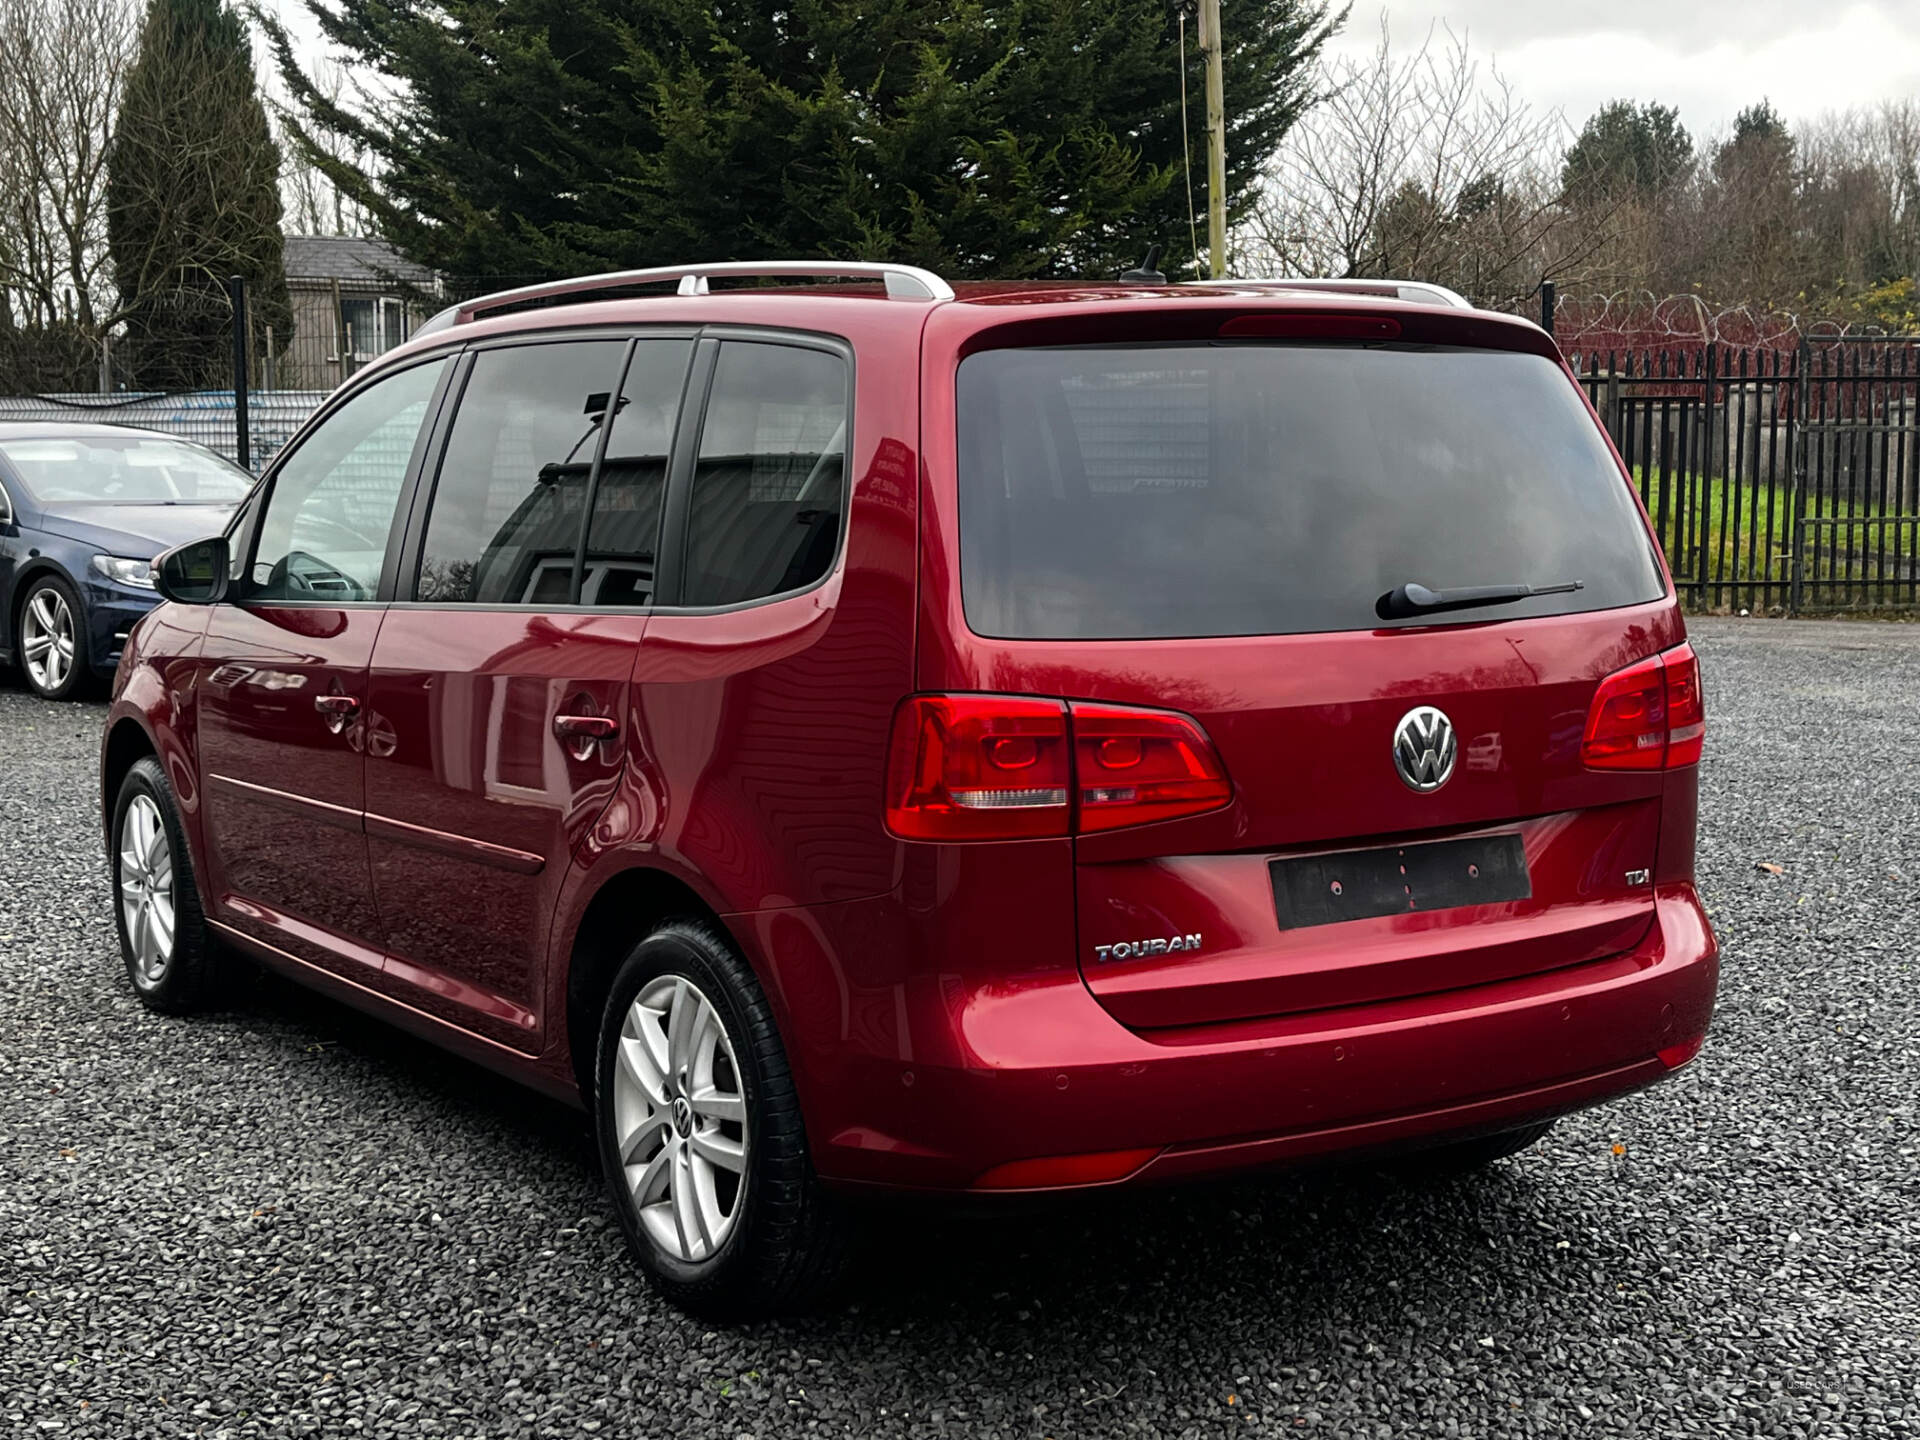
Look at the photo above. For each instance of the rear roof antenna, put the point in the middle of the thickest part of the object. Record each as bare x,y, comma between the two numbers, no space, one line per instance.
1149,271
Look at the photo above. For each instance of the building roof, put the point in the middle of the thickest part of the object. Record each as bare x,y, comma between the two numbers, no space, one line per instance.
353,261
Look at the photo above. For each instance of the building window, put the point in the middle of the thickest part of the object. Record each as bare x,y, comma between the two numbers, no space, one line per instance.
370,325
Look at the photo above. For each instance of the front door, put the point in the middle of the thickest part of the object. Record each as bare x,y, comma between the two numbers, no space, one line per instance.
282,684
498,702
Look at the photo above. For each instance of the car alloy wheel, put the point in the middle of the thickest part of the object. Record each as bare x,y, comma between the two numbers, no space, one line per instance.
700,1133
164,942
680,1118
47,639
146,890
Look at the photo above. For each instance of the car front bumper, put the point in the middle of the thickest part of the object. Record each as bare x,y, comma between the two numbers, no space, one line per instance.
112,612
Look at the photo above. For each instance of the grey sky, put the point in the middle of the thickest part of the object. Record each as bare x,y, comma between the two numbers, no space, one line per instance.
1709,57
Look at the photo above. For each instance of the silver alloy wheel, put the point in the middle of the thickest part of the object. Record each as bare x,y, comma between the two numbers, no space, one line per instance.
46,639
680,1118
146,890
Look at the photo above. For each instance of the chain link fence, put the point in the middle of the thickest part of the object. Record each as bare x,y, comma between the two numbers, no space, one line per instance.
59,372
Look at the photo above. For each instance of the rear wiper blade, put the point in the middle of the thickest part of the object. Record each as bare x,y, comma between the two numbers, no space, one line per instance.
1406,601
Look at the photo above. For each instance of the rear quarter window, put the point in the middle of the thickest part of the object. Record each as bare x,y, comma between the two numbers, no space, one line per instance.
1241,489
769,479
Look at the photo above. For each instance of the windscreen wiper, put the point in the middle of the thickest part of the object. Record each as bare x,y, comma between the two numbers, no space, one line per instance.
1406,601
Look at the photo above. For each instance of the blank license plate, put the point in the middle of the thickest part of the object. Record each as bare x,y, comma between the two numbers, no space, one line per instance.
1399,880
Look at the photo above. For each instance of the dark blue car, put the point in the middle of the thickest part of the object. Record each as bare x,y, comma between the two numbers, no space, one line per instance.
83,511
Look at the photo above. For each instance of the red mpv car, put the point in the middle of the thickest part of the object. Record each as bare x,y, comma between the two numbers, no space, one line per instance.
858,737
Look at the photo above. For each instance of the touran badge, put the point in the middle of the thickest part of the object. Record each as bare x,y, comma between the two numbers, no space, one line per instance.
1134,949
1424,749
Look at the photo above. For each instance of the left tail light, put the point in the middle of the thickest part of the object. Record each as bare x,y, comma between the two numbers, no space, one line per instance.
1012,767
979,767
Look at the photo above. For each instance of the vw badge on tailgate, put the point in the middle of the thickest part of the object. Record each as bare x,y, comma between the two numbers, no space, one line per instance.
1424,749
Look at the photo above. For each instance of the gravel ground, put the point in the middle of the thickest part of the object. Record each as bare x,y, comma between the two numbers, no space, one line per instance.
288,1220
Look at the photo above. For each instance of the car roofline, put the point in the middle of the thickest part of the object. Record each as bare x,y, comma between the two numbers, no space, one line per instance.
897,282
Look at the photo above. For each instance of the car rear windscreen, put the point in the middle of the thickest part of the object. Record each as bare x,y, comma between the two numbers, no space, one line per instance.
1264,489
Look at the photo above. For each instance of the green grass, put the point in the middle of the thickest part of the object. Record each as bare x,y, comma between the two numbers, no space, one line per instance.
1731,533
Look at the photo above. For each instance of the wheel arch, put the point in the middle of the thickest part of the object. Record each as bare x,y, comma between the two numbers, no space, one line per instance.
629,905
22,582
127,741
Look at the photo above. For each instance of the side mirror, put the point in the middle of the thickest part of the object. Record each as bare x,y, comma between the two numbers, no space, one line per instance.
194,573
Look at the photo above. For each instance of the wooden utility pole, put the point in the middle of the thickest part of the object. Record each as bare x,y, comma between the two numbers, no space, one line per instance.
1216,140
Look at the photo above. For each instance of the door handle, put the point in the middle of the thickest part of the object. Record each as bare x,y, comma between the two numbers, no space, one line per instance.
583,734
337,710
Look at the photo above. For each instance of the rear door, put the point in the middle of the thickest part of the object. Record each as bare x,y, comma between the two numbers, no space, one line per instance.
1212,528
281,681
767,685
499,694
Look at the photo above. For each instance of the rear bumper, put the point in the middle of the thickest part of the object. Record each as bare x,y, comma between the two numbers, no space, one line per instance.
930,1084
1478,1117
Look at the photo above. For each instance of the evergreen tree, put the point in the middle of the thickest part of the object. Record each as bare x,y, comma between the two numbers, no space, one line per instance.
1760,140
193,197
1754,200
1627,150
1003,137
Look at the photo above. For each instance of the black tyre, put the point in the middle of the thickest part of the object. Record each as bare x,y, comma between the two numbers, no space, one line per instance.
1463,1156
701,1136
50,639
169,954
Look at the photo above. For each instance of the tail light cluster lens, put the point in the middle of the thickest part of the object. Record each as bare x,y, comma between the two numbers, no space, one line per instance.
1139,765
1011,767
1649,716
979,767
1686,708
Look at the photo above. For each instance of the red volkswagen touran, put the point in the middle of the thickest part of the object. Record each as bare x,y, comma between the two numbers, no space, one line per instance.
858,737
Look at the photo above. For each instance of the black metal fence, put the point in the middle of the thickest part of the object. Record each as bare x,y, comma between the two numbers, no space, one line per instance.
1781,481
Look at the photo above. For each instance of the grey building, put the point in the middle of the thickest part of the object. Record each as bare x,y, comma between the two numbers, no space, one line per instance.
352,299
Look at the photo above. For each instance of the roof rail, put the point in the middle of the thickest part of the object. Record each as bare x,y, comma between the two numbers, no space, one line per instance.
903,282
1417,291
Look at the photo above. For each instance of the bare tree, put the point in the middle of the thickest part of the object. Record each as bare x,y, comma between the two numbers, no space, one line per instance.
1859,196
62,67
1424,166
315,205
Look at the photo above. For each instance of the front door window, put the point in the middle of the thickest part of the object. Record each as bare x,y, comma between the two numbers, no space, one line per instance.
324,535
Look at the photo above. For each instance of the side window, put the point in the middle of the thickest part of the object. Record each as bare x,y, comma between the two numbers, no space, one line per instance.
511,496
769,483
625,529
323,536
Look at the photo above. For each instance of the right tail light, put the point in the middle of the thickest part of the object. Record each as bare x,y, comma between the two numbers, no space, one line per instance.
1649,716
